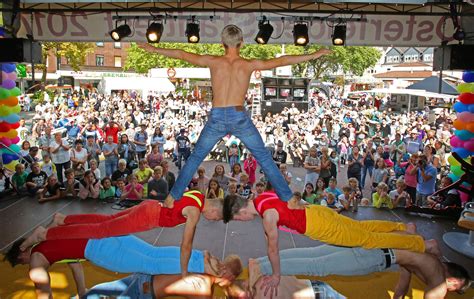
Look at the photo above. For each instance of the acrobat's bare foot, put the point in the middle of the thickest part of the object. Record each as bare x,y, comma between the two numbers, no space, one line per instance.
254,272
431,246
411,228
58,219
38,235
169,201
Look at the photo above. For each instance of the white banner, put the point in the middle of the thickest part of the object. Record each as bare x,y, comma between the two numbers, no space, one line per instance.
378,30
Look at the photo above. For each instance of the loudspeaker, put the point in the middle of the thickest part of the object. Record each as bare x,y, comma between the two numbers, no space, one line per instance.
19,50
454,57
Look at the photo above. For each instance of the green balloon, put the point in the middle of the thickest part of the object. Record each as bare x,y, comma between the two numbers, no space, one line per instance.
4,93
15,91
457,171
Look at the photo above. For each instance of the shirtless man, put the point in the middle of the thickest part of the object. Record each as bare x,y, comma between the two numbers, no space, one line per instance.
320,223
324,260
230,77
145,216
125,254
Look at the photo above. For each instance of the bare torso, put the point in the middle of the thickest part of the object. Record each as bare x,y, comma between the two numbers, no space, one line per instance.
230,76
425,266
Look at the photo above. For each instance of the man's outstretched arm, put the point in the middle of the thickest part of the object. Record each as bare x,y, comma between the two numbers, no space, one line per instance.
270,220
403,284
286,60
199,60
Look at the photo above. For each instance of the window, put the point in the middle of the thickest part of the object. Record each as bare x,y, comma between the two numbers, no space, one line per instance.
428,57
99,44
118,61
117,45
99,60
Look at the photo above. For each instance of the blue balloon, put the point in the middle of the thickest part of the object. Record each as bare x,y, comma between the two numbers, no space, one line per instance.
6,158
453,177
11,119
468,76
471,108
460,107
462,152
464,134
8,67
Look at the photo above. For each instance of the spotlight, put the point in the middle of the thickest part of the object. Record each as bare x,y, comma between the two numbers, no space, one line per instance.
192,32
154,32
300,34
265,31
120,32
339,35
459,35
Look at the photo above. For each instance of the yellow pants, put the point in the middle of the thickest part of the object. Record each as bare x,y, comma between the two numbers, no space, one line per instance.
327,226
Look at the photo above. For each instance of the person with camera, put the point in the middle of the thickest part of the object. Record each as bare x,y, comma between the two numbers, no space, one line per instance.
426,180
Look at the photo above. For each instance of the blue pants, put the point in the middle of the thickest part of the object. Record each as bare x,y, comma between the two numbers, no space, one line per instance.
327,260
223,121
129,287
370,169
110,167
130,254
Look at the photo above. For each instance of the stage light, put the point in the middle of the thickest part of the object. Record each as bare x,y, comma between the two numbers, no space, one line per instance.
154,32
300,34
339,35
120,32
192,32
265,31
459,35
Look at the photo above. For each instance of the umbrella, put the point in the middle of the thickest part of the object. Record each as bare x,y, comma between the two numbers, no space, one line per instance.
431,84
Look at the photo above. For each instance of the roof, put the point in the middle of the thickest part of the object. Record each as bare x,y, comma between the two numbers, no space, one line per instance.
431,84
412,64
404,74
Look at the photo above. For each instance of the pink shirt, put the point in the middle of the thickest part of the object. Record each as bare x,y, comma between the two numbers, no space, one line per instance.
410,180
132,195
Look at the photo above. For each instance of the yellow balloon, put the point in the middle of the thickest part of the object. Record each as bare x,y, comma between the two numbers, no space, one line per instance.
11,166
452,161
465,87
9,134
15,109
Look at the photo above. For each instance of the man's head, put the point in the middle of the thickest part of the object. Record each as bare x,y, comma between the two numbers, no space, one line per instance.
232,36
213,209
15,256
236,208
457,278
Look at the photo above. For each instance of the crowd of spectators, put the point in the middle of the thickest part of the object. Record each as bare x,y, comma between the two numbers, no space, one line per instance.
388,158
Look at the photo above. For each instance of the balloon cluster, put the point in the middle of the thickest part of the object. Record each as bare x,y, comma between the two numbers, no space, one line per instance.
9,118
463,139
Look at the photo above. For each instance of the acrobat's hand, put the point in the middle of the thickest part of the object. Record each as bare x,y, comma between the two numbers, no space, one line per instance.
270,284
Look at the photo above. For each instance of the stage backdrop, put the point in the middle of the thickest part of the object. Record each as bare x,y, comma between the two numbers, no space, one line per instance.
377,30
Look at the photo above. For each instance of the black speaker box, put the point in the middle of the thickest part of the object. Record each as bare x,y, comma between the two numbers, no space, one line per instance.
19,50
454,57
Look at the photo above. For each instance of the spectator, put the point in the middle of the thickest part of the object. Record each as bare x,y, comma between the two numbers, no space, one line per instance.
48,166
168,175
119,187
154,158
202,180
19,179
356,193
320,189
232,189
78,158
133,190
143,174
332,188
355,162
347,198
89,186
280,155
399,195
93,150
426,180
445,199
107,191
51,191
214,190
236,171
312,166
159,140
158,187
368,162
183,147
71,185
244,188
286,174
111,154
250,168
60,156
126,150
309,195
5,186
259,188
112,129
36,180
44,141
233,153
122,171
93,167
325,172
380,174
380,197
331,202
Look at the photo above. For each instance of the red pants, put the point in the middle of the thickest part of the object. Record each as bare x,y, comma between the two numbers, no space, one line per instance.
142,217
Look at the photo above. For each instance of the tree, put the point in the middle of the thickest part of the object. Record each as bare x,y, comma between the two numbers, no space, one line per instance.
353,60
74,52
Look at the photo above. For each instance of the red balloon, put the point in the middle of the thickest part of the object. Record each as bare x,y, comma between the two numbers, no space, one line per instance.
15,126
4,126
466,98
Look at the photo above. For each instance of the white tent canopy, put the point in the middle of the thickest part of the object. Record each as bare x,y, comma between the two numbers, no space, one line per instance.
413,92
142,84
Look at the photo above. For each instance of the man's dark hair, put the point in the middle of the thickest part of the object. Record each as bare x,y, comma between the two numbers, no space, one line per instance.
459,272
12,255
232,204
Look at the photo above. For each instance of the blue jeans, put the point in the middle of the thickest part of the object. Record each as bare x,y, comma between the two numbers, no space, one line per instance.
364,174
327,260
129,287
129,254
223,121
110,167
